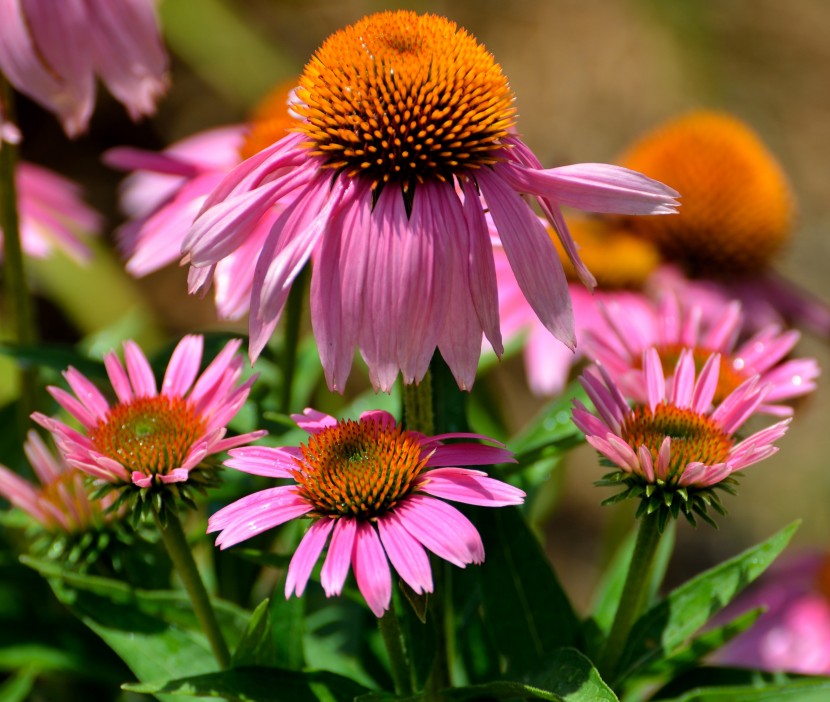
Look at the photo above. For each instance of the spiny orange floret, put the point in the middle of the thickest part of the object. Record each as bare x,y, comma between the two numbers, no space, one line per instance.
358,468
617,258
152,435
404,97
736,209
694,437
269,122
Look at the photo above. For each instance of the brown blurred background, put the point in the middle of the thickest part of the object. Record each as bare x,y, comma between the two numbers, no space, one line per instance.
589,76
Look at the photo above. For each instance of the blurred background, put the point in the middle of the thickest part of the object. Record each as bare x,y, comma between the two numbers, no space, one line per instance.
589,77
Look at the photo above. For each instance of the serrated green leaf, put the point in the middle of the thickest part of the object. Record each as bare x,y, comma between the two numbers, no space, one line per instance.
257,684
525,606
256,646
666,626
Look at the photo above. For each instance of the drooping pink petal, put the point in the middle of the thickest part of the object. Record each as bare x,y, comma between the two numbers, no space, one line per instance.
371,569
339,557
264,460
470,487
306,556
406,554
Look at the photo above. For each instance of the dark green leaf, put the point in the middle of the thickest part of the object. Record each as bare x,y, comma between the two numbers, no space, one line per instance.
18,687
805,690
287,629
254,684
256,647
525,606
54,356
665,627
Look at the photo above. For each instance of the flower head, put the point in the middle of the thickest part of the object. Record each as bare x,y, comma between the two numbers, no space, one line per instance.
404,139
670,328
371,489
672,451
54,56
52,215
61,502
147,439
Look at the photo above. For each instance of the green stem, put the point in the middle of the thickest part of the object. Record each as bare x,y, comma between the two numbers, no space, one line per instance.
177,547
417,406
390,630
291,338
18,297
633,595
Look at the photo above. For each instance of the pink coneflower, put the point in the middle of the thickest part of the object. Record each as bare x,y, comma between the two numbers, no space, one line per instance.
372,487
621,264
166,191
404,140
673,450
148,439
61,503
793,634
52,215
670,328
54,55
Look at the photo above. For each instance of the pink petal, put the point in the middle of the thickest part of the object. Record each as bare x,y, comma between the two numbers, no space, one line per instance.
141,375
707,384
87,393
371,569
183,367
339,557
405,552
469,455
655,380
683,383
127,158
313,421
255,514
73,406
469,486
306,556
118,378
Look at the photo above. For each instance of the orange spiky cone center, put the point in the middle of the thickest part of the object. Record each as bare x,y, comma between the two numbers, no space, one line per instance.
402,97
152,435
736,208
358,468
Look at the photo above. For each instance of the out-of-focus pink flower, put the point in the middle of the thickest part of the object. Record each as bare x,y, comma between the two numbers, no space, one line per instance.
52,214
675,447
621,264
54,52
376,495
793,635
670,328
388,196
61,503
167,190
149,438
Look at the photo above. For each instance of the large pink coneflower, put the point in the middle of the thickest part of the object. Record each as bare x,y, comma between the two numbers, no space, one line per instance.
375,493
670,327
405,138
52,214
54,52
61,502
148,439
673,450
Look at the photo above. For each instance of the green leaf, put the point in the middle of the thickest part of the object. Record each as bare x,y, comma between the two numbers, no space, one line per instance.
287,629
808,690
18,686
256,647
55,356
525,606
40,657
665,627
254,684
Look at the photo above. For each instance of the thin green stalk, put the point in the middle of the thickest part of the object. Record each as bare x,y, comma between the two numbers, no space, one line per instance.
291,338
417,406
179,551
633,595
390,630
18,298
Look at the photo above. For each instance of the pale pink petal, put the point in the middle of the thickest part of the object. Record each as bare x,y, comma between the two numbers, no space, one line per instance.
140,479
683,382
646,463
73,406
655,380
406,554
262,511
177,475
313,421
127,158
306,556
118,377
339,557
707,384
371,569
43,461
